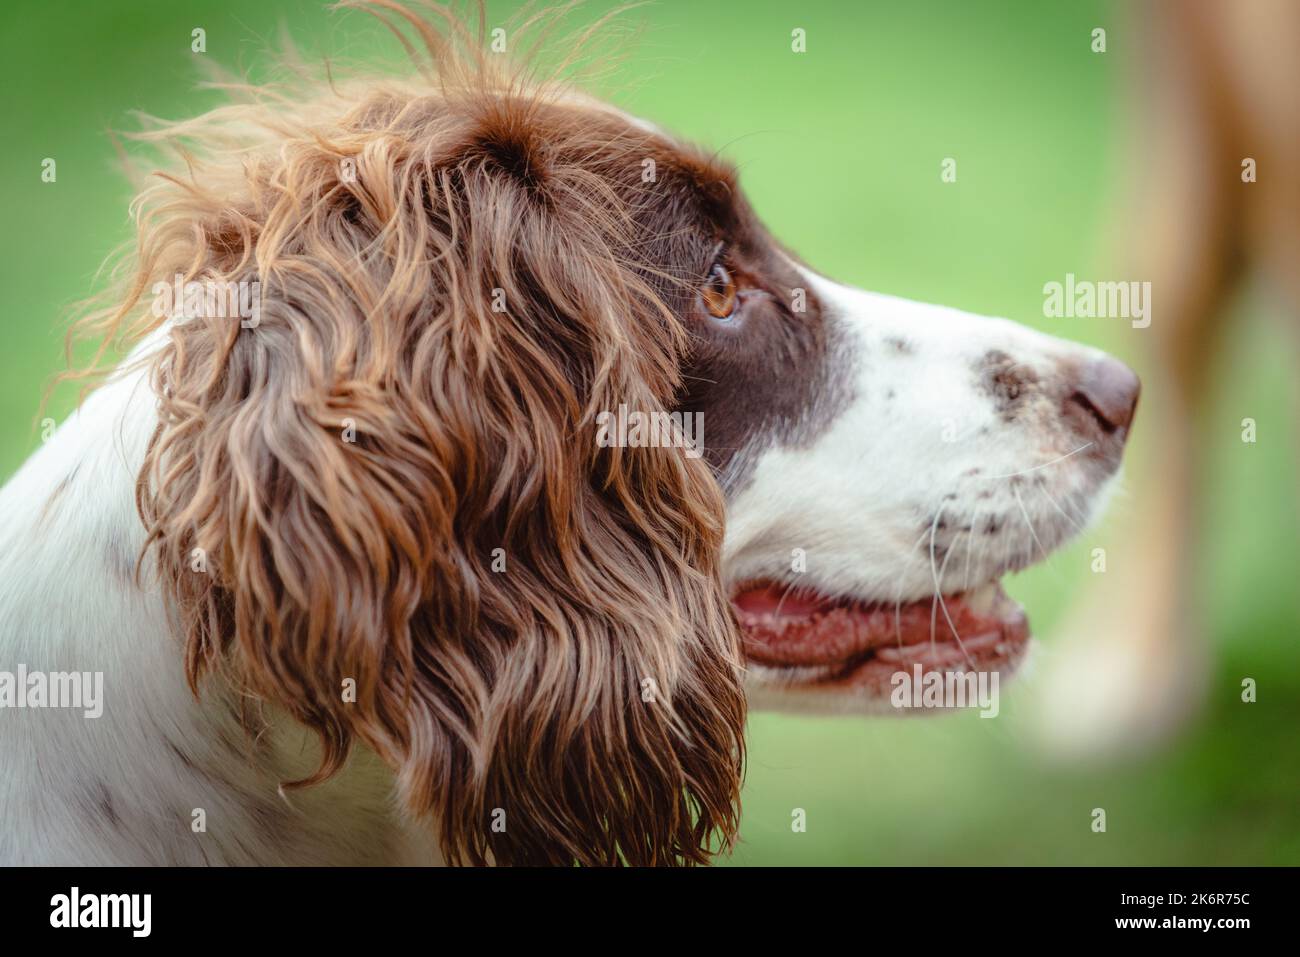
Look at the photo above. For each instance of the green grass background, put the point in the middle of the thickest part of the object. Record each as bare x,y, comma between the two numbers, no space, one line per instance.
839,150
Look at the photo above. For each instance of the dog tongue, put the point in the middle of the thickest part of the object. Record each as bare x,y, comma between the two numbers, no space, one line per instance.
799,629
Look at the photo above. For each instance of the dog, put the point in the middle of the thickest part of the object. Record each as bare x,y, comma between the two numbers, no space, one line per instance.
368,564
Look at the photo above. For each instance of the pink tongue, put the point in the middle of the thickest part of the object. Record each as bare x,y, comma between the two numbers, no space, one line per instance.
815,630
775,601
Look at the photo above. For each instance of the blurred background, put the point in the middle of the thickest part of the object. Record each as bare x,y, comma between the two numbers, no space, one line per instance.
839,149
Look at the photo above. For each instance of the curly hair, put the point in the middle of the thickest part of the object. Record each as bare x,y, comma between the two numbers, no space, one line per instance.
393,478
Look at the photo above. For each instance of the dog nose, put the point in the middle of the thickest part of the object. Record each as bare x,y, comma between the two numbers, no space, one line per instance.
1107,391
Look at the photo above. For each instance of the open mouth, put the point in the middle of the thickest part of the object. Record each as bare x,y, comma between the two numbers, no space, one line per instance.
813,639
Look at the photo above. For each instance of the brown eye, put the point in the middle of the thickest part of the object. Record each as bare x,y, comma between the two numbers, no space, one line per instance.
719,292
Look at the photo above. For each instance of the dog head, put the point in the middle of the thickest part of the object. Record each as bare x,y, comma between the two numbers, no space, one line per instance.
418,530
866,536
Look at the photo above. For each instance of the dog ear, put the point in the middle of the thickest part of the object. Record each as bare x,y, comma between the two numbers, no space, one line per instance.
411,536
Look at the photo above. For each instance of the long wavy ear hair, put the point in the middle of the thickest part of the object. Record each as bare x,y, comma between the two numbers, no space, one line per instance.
394,475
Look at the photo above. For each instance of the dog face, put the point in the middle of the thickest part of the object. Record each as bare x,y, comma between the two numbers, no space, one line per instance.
396,487
884,462
871,537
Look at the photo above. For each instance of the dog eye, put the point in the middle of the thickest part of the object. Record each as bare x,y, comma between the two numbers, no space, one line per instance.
719,293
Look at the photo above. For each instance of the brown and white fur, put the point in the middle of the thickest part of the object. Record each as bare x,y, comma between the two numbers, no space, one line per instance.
243,523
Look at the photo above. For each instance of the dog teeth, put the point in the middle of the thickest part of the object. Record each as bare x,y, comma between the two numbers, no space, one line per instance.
981,600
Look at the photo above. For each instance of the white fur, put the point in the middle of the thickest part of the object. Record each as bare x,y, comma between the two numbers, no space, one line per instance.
115,790
863,503
124,788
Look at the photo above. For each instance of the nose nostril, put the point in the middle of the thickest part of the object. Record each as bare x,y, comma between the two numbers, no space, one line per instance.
1080,399
1108,391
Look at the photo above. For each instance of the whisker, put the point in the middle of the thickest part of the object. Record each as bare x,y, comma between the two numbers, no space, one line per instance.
934,573
937,572
948,615
1072,502
1037,468
1025,512
898,589
970,536
790,586
1042,487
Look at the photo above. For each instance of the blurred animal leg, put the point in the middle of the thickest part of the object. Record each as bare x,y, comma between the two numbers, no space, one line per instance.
1129,663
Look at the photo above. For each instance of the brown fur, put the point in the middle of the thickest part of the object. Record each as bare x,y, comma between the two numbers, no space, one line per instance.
371,560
